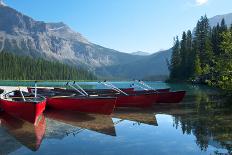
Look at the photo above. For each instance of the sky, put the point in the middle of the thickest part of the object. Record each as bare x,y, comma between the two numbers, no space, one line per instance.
125,25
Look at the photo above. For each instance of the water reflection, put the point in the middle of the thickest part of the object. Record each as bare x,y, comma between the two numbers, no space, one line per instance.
212,128
145,116
8,143
201,124
207,116
98,123
27,134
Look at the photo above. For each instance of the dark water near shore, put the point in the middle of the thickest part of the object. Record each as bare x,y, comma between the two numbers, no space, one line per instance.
201,124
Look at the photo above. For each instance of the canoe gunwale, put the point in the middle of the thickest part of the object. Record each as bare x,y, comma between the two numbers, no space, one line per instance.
25,102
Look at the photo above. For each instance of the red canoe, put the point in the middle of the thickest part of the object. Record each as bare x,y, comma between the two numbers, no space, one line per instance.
100,105
164,95
150,91
171,97
163,90
26,133
136,100
29,110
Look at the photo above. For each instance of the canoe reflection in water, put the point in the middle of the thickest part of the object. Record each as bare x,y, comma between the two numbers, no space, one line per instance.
94,122
26,133
145,116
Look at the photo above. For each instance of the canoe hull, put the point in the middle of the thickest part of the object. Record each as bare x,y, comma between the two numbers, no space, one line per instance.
149,91
86,105
28,111
138,100
163,90
171,97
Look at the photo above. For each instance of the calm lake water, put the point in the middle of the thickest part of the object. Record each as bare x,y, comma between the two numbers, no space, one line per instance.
201,124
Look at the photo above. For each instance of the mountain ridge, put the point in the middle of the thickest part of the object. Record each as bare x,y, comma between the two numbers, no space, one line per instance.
22,35
217,19
141,53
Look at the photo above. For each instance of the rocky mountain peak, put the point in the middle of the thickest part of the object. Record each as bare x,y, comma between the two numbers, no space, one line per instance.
2,3
22,35
141,53
217,19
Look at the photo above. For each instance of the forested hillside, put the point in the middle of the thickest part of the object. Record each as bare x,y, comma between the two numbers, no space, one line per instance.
204,56
14,67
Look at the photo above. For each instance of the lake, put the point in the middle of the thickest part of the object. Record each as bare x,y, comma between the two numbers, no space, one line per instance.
200,124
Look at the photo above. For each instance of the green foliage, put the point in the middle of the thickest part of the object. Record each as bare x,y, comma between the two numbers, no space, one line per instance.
197,66
226,44
224,62
189,61
203,44
175,60
14,67
182,62
206,55
183,54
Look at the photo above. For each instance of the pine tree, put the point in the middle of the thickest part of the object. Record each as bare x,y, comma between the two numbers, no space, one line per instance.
215,39
223,26
203,44
207,55
222,29
24,68
196,70
189,62
224,62
183,48
175,60
197,66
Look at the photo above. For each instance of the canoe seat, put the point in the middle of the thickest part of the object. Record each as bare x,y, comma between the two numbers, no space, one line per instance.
60,96
93,95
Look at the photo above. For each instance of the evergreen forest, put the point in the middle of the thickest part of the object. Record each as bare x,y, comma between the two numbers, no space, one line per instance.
204,55
14,67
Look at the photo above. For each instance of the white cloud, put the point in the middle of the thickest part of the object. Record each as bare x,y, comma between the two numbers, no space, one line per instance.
201,2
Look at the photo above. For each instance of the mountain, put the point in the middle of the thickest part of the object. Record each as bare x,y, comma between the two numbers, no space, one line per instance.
154,65
140,53
217,19
22,35
2,3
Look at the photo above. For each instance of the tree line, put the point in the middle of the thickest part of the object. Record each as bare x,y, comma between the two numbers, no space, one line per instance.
204,56
13,67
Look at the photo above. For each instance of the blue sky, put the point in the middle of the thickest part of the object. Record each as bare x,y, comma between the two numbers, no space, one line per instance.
125,25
